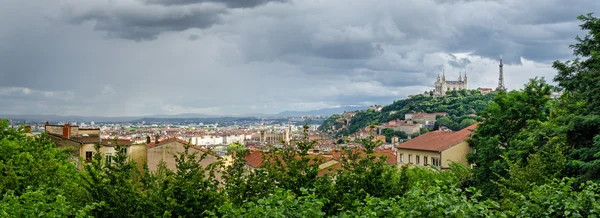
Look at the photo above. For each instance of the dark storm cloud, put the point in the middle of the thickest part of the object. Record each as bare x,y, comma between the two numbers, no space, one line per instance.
141,22
228,3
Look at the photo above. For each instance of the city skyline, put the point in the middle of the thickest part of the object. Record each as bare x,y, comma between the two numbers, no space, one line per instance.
145,57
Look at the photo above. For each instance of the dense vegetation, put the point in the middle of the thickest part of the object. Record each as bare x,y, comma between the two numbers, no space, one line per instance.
534,157
458,104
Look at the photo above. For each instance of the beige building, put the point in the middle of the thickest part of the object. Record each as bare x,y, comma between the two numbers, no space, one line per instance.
166,150
83,142
437,149
408,128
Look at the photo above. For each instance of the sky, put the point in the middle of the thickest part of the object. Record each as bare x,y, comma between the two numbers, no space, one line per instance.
145,57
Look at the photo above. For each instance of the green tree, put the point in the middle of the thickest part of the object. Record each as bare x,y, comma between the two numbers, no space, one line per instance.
466,122
578,106
113,185
34,161
507,116
235,147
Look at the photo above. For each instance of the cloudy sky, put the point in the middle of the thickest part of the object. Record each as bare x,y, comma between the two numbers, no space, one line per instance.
142,57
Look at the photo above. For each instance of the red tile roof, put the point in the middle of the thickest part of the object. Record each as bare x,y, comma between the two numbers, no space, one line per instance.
254,159
175,139
438,140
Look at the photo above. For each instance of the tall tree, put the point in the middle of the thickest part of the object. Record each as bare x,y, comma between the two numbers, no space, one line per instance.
508,115
579,79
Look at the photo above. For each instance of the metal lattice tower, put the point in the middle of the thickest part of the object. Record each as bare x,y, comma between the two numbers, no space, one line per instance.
501,77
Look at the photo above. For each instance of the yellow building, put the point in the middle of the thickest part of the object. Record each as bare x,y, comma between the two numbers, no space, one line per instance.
83,142
165,151
437,149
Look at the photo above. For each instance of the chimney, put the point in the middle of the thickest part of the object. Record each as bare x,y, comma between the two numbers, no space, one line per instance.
148,140
47,123
67,130
156,138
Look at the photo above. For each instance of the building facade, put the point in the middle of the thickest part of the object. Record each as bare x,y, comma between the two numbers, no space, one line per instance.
442,85
436,149
84,141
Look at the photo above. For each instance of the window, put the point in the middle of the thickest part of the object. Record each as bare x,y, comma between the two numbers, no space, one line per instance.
418,159
435,161
123,151
401,158
425,160
108,158
410,158
89,156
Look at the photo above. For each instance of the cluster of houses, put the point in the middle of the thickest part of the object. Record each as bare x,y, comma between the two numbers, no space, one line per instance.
436,149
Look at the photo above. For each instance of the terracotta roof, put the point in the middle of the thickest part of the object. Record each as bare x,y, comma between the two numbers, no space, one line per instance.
162,142
254,159
391,157
438,140
174,139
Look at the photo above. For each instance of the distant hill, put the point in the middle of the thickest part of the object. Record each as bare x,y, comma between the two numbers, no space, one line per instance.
321,112
59,118
458,105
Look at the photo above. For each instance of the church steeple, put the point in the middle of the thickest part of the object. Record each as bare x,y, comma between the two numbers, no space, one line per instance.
443,76
459,76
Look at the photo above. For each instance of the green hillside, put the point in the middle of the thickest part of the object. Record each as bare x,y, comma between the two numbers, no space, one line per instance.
458,104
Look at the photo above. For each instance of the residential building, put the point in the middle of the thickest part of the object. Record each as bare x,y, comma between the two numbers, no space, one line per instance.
408,128
84,141
485,91
437,149
165,151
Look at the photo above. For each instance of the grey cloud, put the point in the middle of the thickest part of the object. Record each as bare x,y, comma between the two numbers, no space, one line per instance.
228,3
459,63
193,37
144,22
348,50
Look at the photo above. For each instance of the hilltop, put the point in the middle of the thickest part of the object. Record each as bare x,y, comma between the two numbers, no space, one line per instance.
458,104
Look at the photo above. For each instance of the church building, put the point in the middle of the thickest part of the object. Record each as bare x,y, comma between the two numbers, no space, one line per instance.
442,85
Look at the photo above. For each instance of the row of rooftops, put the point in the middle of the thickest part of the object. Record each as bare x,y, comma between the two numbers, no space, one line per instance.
438,140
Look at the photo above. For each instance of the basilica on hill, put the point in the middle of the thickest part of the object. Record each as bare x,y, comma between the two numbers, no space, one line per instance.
442,85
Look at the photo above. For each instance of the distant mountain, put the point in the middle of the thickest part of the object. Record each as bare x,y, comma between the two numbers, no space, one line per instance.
321,112
59,118
188,115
